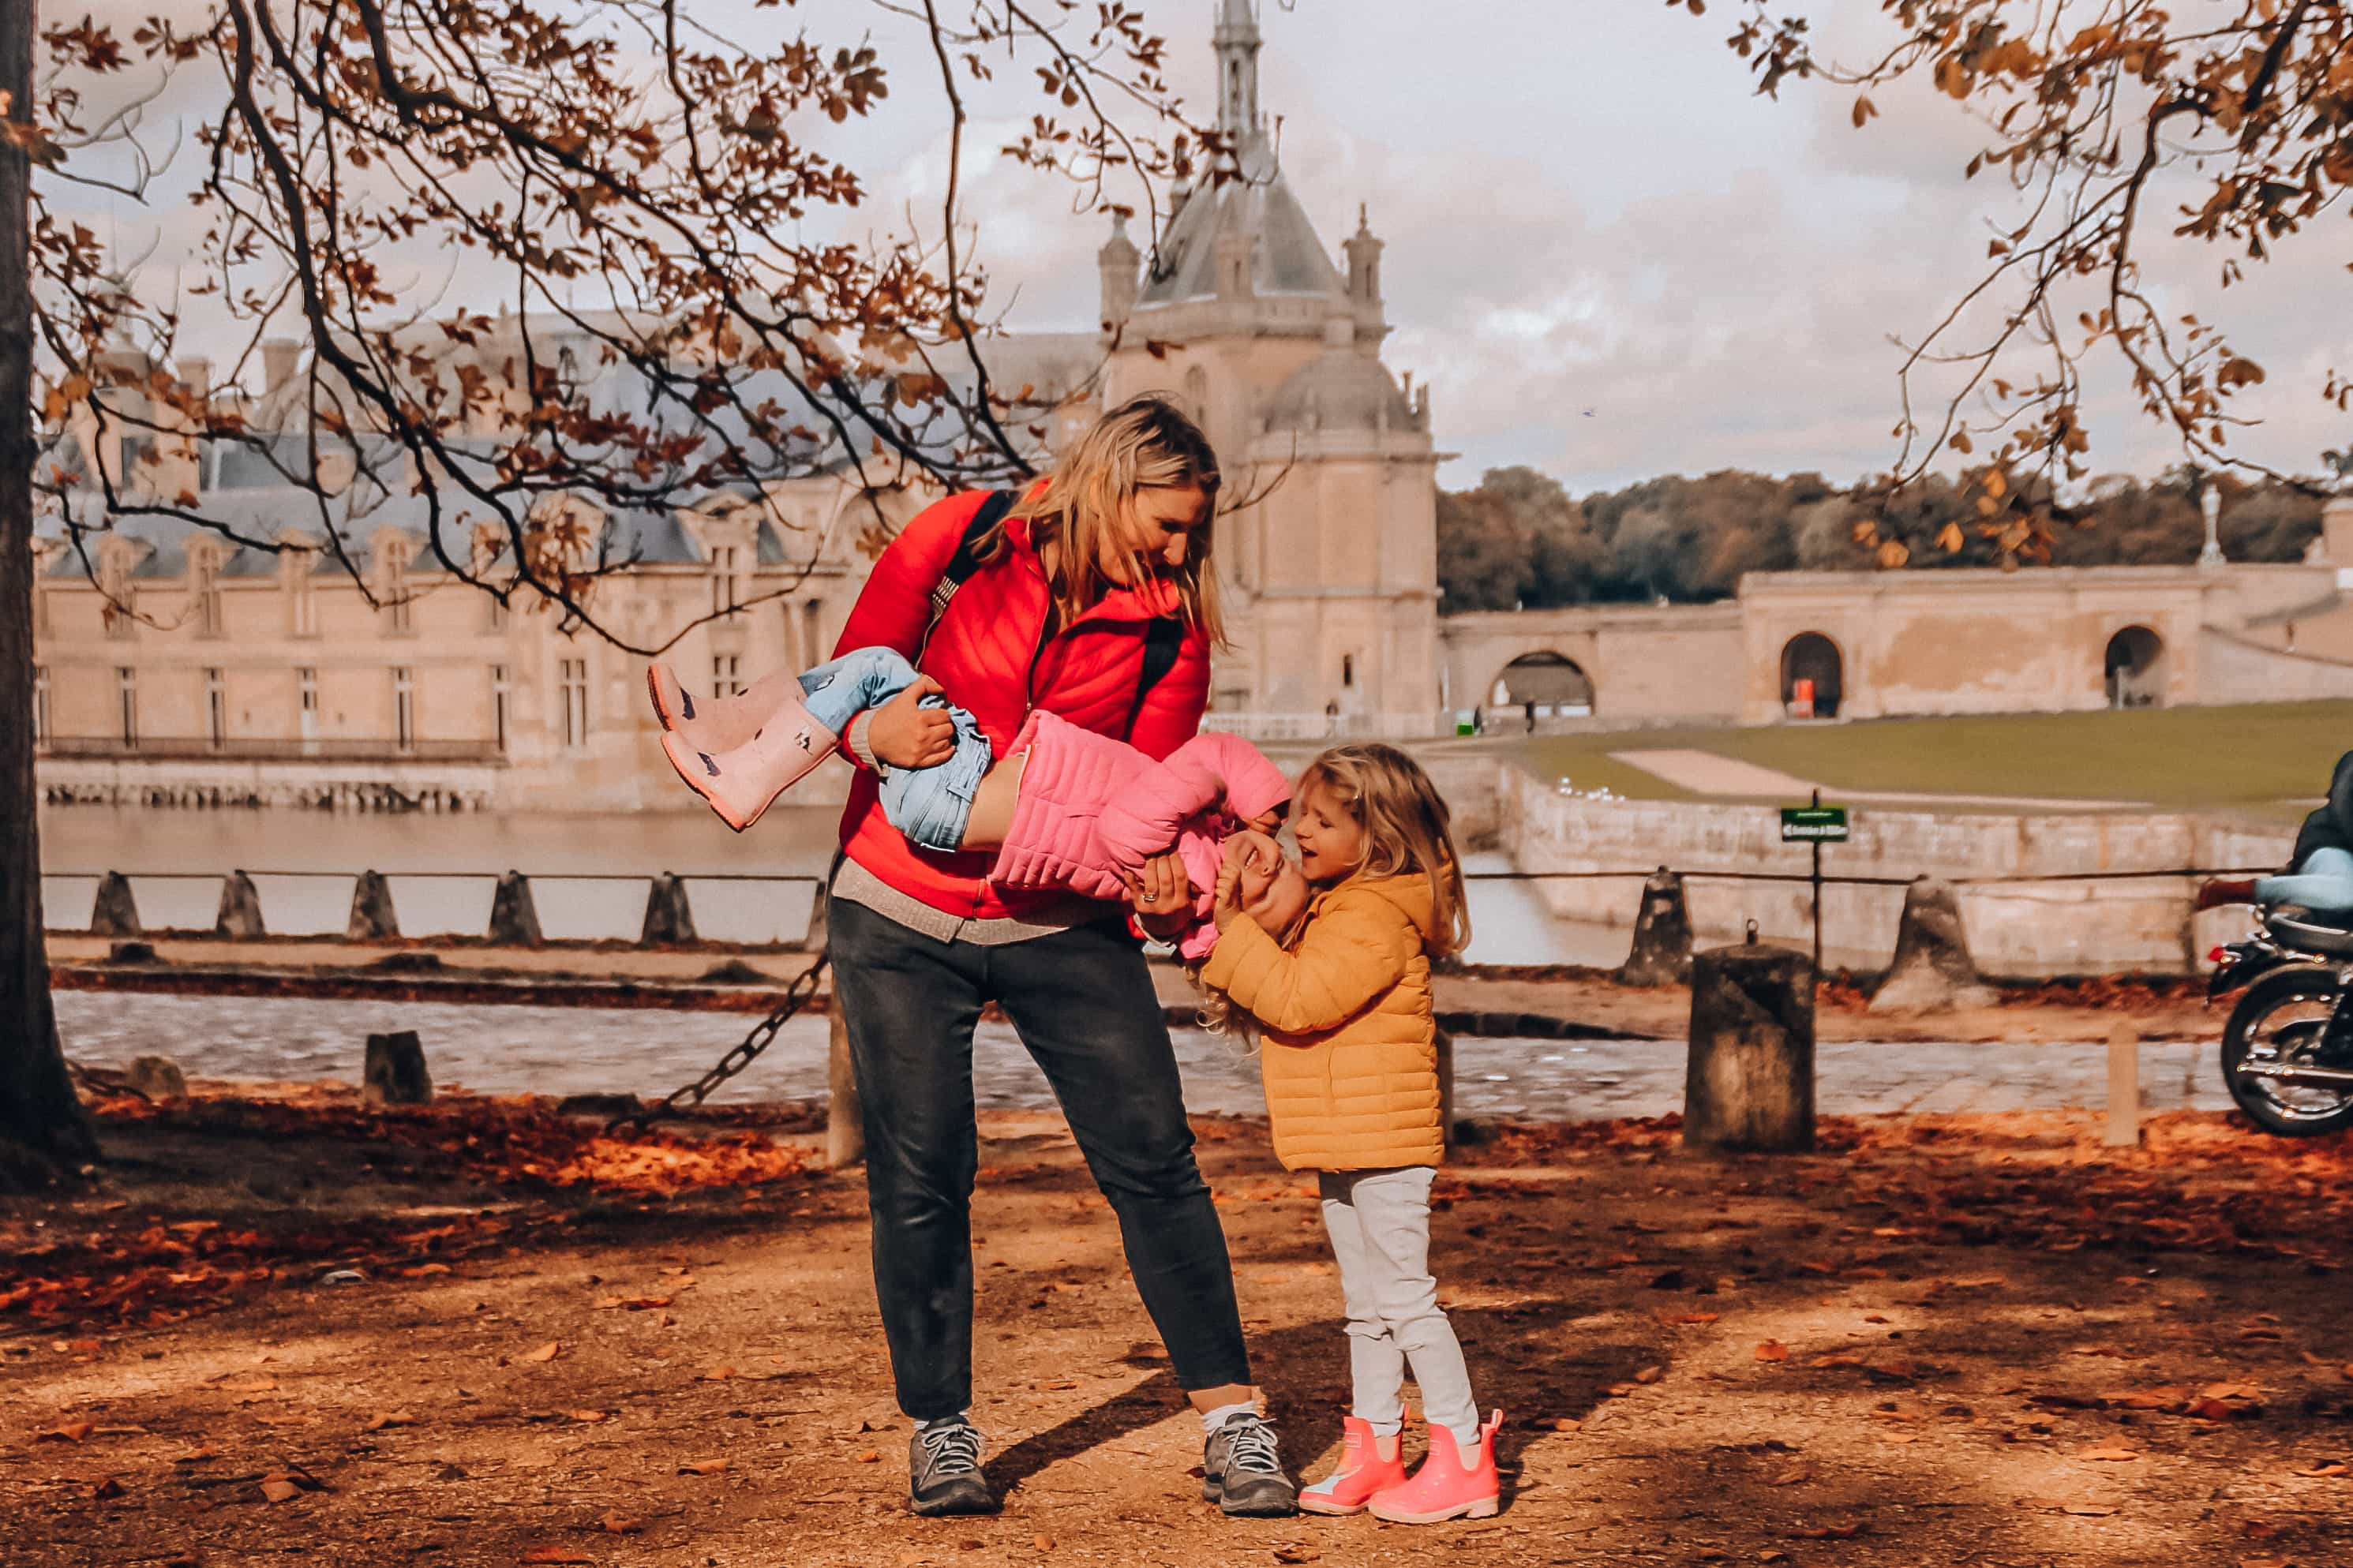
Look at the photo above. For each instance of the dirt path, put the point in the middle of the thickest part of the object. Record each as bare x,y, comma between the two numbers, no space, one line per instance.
1943,1342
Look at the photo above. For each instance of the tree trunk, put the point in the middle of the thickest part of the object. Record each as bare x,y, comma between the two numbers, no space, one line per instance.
41,1122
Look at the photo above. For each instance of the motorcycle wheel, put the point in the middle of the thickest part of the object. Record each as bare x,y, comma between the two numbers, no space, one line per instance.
2281,1020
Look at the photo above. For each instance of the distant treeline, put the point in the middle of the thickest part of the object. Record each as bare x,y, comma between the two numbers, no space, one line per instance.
1519,540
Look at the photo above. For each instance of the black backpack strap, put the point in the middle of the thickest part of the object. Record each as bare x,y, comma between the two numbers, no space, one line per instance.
966,561
1164,639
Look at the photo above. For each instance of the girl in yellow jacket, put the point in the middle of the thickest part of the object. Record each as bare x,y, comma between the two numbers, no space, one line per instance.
1342,1003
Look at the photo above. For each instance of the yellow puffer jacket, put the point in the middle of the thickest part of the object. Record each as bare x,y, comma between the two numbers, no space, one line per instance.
1350,1054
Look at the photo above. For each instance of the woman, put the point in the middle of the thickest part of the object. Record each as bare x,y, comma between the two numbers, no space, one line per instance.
1057,612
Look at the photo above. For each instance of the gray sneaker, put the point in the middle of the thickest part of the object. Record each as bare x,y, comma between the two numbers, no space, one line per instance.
1242,1473
943,1471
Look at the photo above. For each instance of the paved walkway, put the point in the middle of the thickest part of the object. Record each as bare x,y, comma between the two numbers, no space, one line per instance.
504,1050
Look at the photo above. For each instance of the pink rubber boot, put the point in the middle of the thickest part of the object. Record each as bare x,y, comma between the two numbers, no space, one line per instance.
716,724
1364,1470
1446,1487
741,783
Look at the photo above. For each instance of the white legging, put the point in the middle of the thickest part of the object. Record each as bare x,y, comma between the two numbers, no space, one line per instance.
1379,1223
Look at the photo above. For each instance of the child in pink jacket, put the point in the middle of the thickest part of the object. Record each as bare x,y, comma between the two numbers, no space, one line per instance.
1065,807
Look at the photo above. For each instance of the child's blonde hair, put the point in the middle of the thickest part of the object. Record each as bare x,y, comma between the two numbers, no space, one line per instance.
1408,830
1146,443
1407,825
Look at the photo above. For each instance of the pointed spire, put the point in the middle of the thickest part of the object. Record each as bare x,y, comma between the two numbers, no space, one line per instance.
1237,43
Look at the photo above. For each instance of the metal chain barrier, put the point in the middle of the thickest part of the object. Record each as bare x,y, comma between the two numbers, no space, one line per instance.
797,996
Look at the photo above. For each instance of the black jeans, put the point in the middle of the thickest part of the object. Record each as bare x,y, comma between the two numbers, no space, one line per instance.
1083,1005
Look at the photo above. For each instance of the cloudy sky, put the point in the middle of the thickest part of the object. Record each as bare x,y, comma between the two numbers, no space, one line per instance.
1588,209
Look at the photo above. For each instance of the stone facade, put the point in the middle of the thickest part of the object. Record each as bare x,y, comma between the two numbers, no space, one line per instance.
1892,644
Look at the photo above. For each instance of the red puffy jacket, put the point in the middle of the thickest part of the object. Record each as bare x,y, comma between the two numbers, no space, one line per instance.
988,655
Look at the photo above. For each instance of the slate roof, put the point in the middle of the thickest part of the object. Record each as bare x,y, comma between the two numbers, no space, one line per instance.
1285,256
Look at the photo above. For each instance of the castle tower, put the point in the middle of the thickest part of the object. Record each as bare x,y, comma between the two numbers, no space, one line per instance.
1116,263
1330,575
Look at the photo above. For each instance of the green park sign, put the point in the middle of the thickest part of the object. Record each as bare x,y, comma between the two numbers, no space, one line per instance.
1813,824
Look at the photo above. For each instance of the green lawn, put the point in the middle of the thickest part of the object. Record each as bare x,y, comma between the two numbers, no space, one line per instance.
2269,760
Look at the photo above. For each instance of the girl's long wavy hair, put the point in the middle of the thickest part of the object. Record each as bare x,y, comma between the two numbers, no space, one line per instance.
1408,830
1146,443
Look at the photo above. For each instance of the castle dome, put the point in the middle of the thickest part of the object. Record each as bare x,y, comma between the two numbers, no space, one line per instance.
1340,389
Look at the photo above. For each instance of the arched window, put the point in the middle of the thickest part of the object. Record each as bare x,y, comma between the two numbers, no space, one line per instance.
1545,684
1813,677
2133,668
1347,669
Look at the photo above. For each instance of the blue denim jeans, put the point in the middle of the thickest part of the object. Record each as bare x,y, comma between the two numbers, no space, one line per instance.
2323,884
930,806
1081,1000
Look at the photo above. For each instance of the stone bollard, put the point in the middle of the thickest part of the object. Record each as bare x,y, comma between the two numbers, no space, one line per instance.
1662,954
1749,1084
241,910
668,918
820,926
515,919
159,1078
116,913
1932,971
372,917
845,1112
394,1073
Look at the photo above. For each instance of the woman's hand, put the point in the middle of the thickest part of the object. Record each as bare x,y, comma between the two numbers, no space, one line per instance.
1162,895
904,734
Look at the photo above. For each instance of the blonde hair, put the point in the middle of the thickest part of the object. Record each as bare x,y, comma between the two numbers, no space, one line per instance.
1146,443
1408,831
1407,827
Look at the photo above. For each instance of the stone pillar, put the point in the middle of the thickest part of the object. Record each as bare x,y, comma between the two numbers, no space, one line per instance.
241,909
395,1072
820,926
116,913
845,1114
1932,971
1662,954
668,918
372,916
1749,1085
515,919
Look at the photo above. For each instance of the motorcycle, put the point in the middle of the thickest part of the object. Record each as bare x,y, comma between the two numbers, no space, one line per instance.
2287,1049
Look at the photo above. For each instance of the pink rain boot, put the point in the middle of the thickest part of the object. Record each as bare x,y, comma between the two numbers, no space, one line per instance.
1446,1487
741,782
716,724
1364,1470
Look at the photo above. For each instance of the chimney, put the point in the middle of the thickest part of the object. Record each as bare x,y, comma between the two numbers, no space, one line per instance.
280,357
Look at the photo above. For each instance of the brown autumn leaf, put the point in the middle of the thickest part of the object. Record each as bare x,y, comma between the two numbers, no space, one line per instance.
622,1524
1650,1374
586,1417
2116,1456
2086,1509
558,1555
1840,1358
2265,1563
716,1375
1794,1475
1043,1543
71,1432
2330,1467
547,1351
279,1487
1847,1532
1687,1319
1566,1424
702,1468
1772,1349
1296,1554
870,1457
390,1418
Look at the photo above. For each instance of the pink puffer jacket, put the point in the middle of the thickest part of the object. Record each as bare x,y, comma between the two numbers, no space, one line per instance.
1092,807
